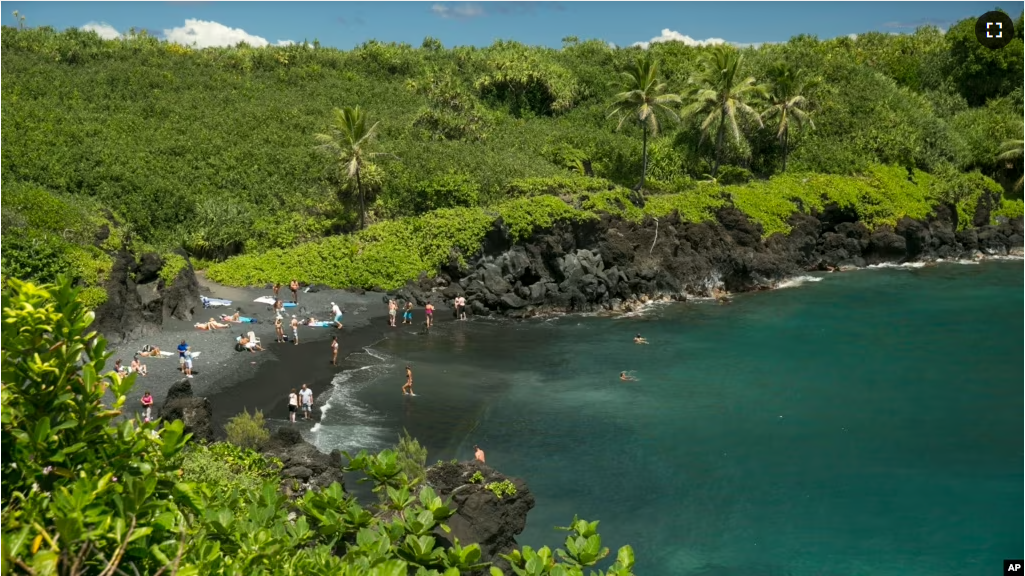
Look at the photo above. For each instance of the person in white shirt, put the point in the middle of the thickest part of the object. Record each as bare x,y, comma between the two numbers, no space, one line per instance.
306,397
338,315
293,405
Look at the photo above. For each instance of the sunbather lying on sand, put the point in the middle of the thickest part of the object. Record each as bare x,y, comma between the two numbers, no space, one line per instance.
210,325
231,317
148,350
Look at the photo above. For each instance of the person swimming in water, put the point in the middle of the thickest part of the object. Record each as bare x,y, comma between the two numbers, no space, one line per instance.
626,377
639,340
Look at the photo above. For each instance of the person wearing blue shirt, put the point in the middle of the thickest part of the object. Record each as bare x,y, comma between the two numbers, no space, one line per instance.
182,348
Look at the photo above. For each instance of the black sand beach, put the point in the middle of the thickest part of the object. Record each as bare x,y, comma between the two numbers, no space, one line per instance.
234,381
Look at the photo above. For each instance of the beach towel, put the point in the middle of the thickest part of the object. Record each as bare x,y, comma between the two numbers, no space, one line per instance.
270,300
241,319
209,302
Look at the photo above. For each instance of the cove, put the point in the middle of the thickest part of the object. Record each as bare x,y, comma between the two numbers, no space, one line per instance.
866,422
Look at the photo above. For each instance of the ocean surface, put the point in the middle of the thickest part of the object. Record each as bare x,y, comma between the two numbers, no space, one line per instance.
861,423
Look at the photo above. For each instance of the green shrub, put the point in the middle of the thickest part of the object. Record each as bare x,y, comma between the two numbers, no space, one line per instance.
412,458
527,215
556,186
615,202
173,265
228,467
93,296
1008,209
477,478
696,205
247,430
500,489
447,191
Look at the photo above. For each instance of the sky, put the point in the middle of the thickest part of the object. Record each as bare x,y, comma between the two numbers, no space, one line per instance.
347,24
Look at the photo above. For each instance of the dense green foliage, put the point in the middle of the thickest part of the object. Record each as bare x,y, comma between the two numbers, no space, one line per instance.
247,430
213,150
86,491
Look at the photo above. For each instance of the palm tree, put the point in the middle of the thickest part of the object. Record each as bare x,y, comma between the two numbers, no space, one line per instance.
789,103
643,99
347,140
1010,151
718,93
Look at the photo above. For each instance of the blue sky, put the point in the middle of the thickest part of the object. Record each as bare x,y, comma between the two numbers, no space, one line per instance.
347,24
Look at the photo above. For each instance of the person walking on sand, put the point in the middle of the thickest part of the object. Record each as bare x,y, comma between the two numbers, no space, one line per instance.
295,330
294,287
478,453
279,330
293,405
334,351
430,315
338,315
393,310
407,316
306,399
407,388
147,406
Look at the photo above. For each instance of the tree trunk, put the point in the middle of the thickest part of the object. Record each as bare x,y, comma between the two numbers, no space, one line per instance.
718,144
362,204
786,147
644,156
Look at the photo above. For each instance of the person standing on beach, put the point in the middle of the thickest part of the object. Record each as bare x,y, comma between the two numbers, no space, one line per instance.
460,307
279,307
279,330
306,398
182,348
277,289
407,316
338,315
478,453
188,364
393,310
294,287
407,388
147,405
430,315
295,330
293,405
334,351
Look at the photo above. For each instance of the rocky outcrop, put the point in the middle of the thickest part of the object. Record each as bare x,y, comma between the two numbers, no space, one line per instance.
182,404
481,516
303,463
139,301
614,264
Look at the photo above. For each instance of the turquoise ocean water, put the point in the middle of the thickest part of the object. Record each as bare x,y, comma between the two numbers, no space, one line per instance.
868,422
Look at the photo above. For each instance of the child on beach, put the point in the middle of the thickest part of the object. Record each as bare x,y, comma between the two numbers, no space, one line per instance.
188,364
430,315
293,405
407,316
147,405
334,351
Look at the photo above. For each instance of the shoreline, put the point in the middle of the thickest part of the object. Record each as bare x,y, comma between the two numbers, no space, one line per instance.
233,381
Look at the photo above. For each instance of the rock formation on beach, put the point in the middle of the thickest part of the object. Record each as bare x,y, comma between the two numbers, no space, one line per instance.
481,517
139,300
302,461
195,412
613,264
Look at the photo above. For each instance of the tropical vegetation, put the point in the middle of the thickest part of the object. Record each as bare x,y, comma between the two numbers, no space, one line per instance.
254,161
87,490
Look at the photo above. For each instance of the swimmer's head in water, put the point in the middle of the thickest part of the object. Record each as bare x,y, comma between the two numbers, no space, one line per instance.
637,336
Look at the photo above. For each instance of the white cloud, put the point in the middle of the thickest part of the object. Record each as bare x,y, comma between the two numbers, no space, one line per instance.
459,11
206,34
674,36
106,31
